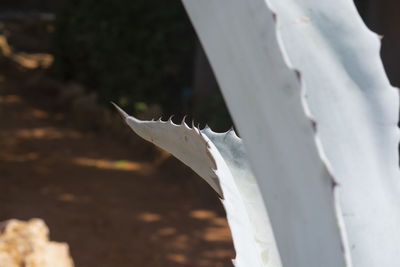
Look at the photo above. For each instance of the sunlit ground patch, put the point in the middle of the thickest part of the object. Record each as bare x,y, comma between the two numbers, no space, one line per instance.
202,214
123,165
149,217
47,133
10,99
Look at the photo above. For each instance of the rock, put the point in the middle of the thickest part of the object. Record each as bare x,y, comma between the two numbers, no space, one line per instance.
26,244
5,48
70,92
87,113
41,89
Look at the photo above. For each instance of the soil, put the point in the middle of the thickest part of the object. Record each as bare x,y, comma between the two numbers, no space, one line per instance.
112,203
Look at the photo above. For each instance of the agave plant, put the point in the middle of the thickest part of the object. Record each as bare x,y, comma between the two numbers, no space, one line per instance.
315,180
220,159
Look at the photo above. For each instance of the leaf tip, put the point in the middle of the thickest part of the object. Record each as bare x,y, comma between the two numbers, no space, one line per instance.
123,114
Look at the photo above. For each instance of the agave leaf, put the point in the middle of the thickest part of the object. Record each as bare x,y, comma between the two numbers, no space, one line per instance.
356,111
221,161
265,99
231,148
185,143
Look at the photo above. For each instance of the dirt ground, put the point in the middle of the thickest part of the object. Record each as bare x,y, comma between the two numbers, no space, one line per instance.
110,202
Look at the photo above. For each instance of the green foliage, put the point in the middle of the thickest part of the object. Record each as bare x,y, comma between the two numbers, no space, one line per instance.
128,51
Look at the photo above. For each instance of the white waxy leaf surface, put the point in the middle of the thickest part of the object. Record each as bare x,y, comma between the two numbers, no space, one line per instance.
183,142
356,111
232,151
220,160
265,99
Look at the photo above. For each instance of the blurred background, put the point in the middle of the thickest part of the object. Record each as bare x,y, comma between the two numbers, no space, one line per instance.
66,156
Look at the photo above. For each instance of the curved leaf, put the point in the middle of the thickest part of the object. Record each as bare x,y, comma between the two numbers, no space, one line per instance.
220,160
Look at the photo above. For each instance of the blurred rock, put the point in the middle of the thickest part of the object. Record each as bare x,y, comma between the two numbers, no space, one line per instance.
33,60
25,60
41,87
26,244
86,113
70,92
5,48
